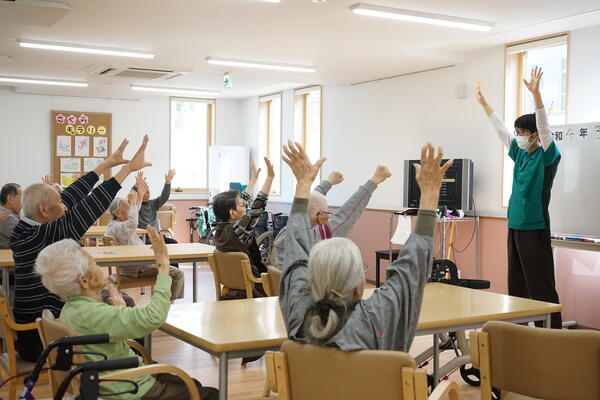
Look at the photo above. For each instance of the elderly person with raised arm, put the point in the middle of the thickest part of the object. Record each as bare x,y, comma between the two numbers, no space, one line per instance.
69,271
321,288
149,209
49,217
123,226
324,224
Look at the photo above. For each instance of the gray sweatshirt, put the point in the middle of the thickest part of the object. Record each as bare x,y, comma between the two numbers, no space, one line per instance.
6,227
149,209
340,224
385,321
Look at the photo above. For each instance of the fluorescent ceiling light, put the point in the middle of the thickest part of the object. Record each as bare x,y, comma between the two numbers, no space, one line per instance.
13,79
259,65
421,17
271,1
188,92
82,49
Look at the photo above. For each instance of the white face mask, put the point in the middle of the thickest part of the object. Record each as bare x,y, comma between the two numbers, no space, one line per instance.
523,142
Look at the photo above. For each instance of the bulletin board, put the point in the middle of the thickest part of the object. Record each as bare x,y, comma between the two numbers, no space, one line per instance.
80,141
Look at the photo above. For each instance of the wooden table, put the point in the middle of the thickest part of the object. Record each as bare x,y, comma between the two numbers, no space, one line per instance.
96,232
132,255
245,328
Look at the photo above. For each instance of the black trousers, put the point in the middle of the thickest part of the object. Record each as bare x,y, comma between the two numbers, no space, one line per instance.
531,268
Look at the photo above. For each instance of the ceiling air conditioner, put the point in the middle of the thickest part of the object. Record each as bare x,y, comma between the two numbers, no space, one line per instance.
137,72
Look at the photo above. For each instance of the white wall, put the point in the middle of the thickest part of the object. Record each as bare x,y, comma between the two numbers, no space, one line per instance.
386,122
25,131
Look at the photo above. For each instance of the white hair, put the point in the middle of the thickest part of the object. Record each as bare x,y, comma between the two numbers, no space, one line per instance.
114,206
316,203
33,196
335,271
60,264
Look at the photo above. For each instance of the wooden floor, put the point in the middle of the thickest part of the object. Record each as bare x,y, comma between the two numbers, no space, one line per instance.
244,382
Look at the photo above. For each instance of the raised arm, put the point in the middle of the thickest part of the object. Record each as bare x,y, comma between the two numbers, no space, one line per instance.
132,322
399,299
541,118
342,222
503,133
249,191
334,178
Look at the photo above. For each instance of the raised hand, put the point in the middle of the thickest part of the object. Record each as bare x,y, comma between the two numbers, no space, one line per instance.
381,174
138,161
169,176
161,254
304,171
270,170
534,82
114,297
429,175
116,158
254,172
335,178
4,215
47,180
478,94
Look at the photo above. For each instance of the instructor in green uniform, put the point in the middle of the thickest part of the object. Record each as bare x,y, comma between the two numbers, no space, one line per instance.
536,157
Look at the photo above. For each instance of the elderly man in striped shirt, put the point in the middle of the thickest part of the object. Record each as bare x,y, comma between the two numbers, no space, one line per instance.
50,217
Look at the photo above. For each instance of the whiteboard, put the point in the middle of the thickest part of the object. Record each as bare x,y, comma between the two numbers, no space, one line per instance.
574,205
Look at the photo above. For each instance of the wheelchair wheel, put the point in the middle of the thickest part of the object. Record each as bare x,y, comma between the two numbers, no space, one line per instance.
265,244
470,375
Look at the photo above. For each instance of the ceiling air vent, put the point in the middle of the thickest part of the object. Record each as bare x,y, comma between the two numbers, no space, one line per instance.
136,73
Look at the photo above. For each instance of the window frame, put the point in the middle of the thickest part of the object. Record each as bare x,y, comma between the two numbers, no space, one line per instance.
210,137
267,98
304,91
521,93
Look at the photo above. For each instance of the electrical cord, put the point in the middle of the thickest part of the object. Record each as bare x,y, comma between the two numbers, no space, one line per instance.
18,375
472,233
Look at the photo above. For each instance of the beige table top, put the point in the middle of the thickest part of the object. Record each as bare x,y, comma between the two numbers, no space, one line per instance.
257,323
116,254
100,230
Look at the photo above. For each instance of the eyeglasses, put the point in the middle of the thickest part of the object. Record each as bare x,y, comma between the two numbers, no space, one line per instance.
517,133
324,213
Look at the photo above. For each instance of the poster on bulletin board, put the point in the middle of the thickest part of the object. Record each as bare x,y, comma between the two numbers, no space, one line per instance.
80,141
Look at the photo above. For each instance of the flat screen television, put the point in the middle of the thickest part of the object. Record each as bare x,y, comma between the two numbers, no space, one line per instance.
456,192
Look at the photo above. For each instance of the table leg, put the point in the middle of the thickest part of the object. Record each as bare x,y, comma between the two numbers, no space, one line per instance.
194,283
377,272
5,282
548,321
223,364
436,360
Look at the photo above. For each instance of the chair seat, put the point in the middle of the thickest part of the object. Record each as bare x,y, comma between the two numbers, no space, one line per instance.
22,365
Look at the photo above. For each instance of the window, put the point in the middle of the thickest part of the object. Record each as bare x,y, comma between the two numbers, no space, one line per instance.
269,138
307,122
551,55
191,135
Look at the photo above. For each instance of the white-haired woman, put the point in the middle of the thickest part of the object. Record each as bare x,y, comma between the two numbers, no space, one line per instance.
122,227
321,294
70,272
326,225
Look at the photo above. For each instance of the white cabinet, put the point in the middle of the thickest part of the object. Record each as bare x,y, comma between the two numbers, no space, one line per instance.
227,164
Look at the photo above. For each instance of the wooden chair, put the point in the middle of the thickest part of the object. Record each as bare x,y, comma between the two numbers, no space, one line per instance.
542,363
302,372
10,362
166,222
104,219
270,281
51,329
232,271
124,281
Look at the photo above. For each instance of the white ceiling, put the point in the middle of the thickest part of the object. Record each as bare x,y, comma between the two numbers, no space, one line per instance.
346,48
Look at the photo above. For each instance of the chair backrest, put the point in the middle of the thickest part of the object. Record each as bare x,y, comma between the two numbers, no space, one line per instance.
8,333
109,240
50,330
271,280
167,207
541,363
165,219
104,219
316,372
228,269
